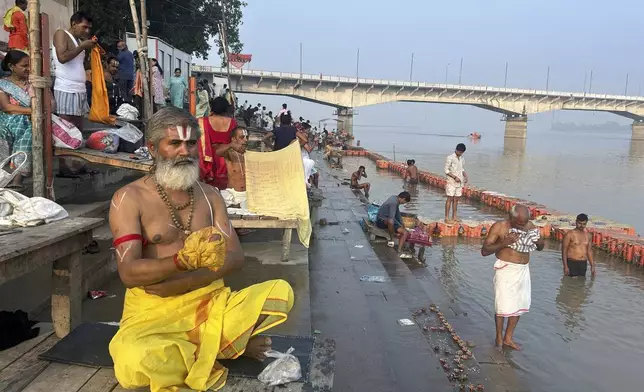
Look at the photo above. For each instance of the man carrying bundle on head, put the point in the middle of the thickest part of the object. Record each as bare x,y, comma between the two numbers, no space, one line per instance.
174,245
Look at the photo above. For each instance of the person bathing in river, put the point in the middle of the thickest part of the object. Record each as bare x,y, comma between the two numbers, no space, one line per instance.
576,250
511,241
411,174
456,179
174,246
389,219
356,176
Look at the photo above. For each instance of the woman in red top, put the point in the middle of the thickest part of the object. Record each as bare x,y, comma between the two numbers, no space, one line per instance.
214,142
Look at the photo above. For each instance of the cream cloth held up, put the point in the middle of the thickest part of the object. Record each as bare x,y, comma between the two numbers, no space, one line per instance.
275,187
512,288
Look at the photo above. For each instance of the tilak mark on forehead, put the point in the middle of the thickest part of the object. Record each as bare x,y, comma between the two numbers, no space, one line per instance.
184,132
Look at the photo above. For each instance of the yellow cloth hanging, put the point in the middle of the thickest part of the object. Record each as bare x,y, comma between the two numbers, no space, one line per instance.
275,187
100,110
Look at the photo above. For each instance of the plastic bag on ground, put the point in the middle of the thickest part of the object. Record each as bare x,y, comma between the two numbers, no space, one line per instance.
286,368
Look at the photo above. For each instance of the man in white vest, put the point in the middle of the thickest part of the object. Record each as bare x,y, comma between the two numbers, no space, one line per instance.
70,92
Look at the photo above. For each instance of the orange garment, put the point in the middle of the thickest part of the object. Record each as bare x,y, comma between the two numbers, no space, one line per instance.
138,85
17,28
100,110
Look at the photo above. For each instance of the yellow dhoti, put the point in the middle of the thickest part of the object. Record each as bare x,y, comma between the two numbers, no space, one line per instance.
169,343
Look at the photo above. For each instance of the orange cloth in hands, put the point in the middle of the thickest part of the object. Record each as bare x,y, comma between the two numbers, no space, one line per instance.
100,110
203,248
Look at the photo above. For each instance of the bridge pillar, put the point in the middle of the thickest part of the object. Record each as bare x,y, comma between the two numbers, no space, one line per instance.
516,126
345,115
638,130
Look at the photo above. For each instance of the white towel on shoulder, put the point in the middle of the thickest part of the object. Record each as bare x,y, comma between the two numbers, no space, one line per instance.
512,288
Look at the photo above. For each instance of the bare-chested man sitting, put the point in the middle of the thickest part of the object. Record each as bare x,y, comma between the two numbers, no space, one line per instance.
356,176
576,250
174,245
511,241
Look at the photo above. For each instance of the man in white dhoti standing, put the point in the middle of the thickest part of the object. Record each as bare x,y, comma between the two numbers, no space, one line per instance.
511,241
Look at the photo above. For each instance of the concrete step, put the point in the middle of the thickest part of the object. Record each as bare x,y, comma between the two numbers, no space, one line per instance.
98,209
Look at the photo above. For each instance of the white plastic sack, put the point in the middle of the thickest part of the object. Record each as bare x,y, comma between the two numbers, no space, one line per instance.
65,134
128,132
29,211
286,368
128,111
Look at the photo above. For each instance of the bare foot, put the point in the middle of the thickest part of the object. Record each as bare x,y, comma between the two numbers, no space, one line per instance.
257,347
512,345
499,342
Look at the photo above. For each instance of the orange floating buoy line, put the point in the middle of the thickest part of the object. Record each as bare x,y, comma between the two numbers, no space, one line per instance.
617,239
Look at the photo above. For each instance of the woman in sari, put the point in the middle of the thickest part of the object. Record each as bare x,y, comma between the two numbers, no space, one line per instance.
214,142
15,116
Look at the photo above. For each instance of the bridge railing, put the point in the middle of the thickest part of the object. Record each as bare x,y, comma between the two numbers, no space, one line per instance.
399,83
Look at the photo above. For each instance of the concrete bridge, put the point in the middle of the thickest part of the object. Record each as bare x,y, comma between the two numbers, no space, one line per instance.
347,93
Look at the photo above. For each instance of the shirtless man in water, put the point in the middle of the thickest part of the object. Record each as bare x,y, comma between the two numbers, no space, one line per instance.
150,220
511,241
411,174
576,250
356,176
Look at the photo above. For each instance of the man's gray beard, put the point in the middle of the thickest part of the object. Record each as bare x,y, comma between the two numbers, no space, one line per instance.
175,176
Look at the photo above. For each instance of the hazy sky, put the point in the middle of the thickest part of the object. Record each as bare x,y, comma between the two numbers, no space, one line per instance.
571,36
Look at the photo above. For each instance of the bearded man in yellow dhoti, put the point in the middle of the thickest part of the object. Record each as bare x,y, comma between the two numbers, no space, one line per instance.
174,245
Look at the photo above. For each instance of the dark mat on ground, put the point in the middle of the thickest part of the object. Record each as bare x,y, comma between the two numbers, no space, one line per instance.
87,345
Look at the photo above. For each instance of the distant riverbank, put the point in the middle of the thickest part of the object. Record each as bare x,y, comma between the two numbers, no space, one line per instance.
607,126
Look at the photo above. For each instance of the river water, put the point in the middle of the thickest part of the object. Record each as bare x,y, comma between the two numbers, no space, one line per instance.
599,173
580,334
